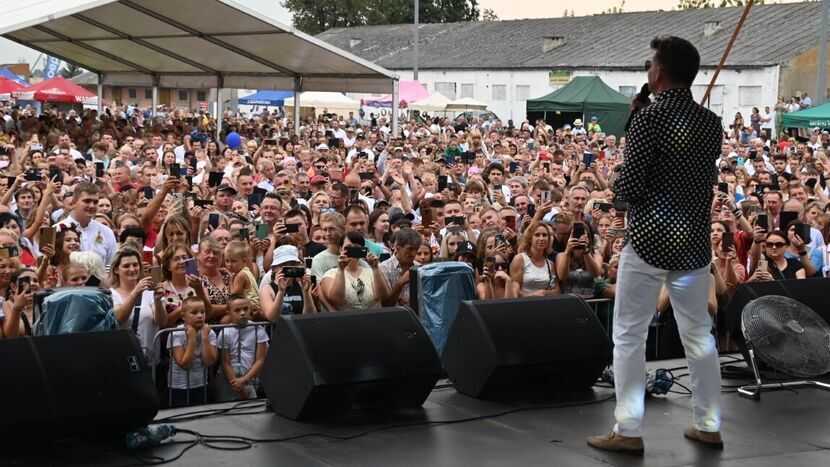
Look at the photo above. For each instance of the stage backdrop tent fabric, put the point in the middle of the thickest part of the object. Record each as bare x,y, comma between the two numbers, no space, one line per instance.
814,117
267,97
57,90
332,102
408,92
583,97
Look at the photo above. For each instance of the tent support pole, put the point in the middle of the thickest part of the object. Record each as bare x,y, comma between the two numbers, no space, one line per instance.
220,83
100,93
394,115
154,110
298,89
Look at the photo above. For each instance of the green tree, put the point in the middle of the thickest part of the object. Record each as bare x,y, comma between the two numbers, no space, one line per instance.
695,4
314,16
489,15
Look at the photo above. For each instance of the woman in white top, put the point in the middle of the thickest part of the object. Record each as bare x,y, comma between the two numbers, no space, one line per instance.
132,297
533,274
350,285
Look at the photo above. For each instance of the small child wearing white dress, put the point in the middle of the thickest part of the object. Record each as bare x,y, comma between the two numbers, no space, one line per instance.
243,349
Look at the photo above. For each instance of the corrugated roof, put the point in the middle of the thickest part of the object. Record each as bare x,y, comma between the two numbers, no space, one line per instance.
772,34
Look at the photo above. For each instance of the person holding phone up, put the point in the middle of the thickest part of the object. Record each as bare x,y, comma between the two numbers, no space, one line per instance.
768,260
350,285
578,266
16,314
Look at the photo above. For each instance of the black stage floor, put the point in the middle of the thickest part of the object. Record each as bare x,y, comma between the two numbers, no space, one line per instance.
785,428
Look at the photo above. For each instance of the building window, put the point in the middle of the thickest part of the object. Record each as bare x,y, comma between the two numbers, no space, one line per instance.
131,93
522,92
499,92
148,93
628,91
447,89
468,90
749,96
183,94
201,96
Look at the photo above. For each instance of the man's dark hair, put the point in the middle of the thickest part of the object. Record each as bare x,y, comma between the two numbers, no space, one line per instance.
354,207
340,188
22,191
353,237
677,57
408,237
295,213
137,232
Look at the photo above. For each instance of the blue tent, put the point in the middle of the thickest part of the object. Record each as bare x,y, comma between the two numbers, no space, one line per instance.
266,97
5,72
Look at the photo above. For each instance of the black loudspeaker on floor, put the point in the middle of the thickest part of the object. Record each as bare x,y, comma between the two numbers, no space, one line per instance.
93,385
502,348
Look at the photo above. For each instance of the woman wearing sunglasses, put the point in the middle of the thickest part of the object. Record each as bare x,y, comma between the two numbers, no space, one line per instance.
768,260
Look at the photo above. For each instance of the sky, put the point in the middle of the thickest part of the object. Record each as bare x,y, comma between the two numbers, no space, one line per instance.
11,52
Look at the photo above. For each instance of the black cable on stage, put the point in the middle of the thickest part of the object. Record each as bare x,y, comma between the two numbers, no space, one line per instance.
239,443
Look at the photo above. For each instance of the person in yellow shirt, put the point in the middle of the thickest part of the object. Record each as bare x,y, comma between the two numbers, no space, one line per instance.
594,126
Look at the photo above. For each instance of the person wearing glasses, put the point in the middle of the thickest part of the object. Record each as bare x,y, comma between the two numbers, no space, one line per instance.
352,285
769,262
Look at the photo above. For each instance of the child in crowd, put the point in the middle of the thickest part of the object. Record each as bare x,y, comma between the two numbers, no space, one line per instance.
237,259
74,275
194,351
243,349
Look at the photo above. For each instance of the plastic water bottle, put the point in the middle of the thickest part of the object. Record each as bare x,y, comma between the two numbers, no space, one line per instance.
151,435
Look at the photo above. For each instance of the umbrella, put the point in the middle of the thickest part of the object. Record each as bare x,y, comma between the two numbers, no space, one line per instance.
57,90
467,103
7,87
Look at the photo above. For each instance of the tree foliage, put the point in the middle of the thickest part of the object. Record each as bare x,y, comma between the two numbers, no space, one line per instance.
489,15
696,4
315,16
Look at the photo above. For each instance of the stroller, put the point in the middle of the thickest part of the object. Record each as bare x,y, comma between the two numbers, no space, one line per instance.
73,310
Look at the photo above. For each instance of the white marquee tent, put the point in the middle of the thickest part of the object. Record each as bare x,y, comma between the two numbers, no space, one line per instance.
186,44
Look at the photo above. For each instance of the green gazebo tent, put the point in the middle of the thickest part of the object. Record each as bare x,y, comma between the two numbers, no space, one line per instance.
808,118
583,97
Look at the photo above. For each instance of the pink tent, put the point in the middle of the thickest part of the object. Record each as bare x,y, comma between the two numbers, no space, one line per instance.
408,91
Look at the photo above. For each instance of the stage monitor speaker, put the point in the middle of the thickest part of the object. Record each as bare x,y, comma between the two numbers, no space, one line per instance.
500,348
67,386
811,292
323,364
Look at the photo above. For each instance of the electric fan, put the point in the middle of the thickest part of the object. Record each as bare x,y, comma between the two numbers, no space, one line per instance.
789,337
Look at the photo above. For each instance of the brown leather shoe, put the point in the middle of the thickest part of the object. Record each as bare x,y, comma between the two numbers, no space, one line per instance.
711,439
617,443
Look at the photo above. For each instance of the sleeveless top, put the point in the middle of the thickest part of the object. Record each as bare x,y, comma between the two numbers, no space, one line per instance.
251,293
537,278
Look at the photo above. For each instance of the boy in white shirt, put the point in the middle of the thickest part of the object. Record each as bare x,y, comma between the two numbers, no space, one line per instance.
243,349
193,346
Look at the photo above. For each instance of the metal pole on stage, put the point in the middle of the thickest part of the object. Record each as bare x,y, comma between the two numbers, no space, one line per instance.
298,89
100,93
154,110
394,115
220,82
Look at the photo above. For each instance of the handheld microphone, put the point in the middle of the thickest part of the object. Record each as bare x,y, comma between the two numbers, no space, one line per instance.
642,96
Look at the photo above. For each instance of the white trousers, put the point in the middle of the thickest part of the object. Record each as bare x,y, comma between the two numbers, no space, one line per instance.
638,286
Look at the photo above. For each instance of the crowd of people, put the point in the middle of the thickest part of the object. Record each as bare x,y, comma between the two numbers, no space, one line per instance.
187,232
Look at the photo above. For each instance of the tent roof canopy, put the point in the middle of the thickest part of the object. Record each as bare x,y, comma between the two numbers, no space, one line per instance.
814,117
583,93
187,44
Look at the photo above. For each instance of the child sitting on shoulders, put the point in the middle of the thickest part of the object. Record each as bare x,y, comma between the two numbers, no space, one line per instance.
237,259
193,346
243,349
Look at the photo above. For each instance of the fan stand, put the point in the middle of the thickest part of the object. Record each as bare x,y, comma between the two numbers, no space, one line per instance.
754,390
